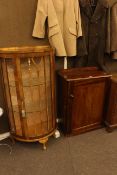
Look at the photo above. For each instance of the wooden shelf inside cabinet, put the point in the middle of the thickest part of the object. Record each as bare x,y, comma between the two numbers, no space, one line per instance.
28,74
81,99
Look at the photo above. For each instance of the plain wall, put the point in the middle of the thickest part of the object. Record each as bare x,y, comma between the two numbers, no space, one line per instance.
16,23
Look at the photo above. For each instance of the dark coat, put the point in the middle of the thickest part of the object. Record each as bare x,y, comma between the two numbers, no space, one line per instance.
112,29
96,30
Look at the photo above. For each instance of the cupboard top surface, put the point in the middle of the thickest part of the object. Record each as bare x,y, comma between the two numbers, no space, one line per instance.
82,73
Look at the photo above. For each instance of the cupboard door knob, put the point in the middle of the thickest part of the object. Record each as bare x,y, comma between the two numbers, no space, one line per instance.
71,96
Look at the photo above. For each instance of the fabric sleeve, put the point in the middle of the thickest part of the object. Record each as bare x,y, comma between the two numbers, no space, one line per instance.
78,18
113,21
107,48
41,15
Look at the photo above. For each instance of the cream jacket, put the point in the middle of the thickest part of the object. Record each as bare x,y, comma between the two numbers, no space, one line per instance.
64,24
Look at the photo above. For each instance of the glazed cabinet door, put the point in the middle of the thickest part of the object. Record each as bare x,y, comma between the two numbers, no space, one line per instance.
30,95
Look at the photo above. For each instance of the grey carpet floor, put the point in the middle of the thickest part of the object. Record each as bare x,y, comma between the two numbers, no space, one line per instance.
92,153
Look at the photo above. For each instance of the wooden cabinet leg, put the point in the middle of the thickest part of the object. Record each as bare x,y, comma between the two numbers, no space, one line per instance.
109,129
43,141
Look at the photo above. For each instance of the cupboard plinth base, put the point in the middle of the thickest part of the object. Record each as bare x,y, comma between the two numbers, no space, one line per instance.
85,129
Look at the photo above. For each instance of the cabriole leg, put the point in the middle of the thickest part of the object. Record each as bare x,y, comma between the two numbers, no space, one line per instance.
43,141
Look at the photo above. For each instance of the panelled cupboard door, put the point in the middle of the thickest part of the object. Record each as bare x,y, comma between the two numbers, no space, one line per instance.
87,101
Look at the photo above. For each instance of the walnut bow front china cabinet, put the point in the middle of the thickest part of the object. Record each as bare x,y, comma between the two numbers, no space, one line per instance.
28,75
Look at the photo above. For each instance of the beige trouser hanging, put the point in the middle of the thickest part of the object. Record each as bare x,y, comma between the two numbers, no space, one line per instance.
65,62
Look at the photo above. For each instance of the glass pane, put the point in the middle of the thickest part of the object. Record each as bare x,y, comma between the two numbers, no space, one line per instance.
36,81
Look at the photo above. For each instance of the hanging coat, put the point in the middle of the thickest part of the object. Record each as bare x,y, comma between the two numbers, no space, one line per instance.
110,60
64,24
112,25
97,33
94,31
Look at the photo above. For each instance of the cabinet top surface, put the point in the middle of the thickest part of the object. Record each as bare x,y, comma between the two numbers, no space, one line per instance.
25,49
82,73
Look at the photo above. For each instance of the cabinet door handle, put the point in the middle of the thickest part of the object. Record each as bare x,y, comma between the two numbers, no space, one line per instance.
71,96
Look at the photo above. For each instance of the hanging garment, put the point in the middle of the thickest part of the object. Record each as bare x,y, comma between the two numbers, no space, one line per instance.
113,30
64,24
96,32
93,21
111,60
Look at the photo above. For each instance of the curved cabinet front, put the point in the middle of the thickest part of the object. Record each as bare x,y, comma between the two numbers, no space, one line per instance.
29,83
